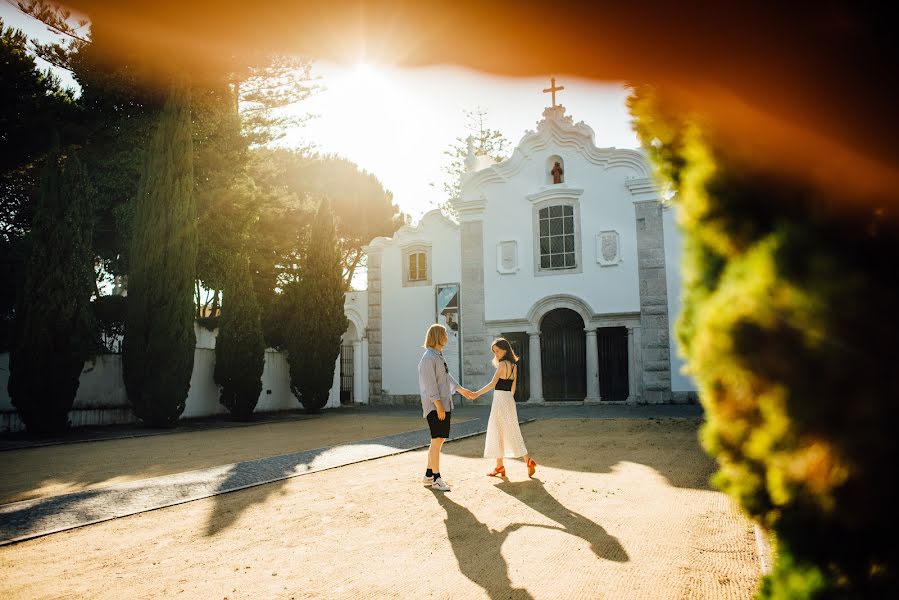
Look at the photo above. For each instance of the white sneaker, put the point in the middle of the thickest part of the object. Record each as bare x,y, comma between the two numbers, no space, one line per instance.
440,485
427,480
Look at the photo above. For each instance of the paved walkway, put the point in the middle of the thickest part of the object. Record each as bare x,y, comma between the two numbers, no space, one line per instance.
16,441
28,519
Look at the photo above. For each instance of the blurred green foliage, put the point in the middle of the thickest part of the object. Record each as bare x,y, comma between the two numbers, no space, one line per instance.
789,327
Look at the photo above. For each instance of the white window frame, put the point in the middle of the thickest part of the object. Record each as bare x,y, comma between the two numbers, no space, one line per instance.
557,195
539,270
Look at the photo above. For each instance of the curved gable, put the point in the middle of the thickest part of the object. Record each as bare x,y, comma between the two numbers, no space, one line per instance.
558,130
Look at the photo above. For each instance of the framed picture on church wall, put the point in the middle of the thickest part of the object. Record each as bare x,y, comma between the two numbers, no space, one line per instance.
447,304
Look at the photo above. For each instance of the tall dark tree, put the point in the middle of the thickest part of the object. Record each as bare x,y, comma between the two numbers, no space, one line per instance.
158,351
33,108
53,334
239,348
314,306
789,326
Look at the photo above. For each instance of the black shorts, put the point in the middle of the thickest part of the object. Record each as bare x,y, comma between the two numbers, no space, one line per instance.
439,429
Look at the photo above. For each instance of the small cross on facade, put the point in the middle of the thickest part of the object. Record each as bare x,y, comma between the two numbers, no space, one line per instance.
553,89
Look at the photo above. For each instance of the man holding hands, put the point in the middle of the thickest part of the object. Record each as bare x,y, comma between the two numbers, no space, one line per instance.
437,386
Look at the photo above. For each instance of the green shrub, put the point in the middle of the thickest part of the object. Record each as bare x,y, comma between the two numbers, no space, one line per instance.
239,348
789,328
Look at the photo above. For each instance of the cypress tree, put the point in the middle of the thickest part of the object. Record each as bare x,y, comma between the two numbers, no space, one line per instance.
158,350
789,327
314,307
239,348
52,334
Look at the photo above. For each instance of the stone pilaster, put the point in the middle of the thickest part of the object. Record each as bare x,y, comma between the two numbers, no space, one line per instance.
535,367
474,331
374,325
592,367
655,371
357,371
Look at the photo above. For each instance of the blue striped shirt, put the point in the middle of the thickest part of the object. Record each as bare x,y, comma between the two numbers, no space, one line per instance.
435,382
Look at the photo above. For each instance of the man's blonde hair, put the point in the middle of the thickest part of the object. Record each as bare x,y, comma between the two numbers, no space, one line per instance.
436,335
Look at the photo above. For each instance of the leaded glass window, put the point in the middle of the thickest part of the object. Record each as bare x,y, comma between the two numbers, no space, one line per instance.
557,237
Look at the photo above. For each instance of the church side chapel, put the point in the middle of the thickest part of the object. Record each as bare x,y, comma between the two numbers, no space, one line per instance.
565,249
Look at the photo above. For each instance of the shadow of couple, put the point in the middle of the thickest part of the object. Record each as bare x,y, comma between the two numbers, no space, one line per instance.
478,548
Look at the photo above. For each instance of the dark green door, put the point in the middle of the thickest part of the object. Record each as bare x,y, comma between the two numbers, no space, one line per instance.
563,352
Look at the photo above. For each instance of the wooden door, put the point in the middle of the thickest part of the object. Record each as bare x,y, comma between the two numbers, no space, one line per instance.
519,342
613,363
563,352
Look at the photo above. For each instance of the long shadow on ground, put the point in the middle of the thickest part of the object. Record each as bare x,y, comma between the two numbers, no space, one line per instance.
535,495
478,550
670,446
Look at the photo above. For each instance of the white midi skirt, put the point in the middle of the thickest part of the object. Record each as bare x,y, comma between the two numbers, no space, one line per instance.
503,434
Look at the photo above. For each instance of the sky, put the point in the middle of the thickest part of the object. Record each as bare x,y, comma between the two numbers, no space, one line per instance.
397,123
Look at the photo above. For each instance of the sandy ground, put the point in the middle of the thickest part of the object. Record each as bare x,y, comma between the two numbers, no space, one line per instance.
53,470
618,509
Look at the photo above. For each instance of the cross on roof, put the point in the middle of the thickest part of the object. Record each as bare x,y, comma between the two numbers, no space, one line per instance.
553,89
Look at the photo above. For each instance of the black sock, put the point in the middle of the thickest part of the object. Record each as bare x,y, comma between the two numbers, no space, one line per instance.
436,476
429,473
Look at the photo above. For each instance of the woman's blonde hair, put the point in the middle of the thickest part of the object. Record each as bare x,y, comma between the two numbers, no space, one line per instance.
436,335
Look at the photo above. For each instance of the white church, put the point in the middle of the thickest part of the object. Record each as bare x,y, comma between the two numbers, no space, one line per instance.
565,249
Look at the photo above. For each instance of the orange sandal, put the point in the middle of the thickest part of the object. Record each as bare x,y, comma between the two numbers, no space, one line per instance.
497,472
532,467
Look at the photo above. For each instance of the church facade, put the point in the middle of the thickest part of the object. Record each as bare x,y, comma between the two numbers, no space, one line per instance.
565,249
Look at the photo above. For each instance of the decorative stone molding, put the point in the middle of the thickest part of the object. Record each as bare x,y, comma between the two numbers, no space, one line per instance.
410,234
507,257
470,210
559,193
355,307
550,303
608,248
642,188
556,129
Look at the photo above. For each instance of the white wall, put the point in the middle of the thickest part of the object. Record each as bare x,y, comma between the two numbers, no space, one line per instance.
673,271
102,400
407,312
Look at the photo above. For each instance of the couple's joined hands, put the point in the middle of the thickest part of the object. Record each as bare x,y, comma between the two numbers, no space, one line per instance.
467,393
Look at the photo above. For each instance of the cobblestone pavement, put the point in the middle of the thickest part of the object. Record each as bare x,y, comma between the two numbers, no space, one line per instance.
28,519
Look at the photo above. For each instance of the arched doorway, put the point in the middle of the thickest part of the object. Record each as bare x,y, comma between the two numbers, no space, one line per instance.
563,354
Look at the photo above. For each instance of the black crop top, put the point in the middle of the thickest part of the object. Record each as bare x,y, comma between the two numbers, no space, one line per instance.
505,385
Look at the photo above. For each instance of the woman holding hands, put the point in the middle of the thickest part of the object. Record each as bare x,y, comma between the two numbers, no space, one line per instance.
504,438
